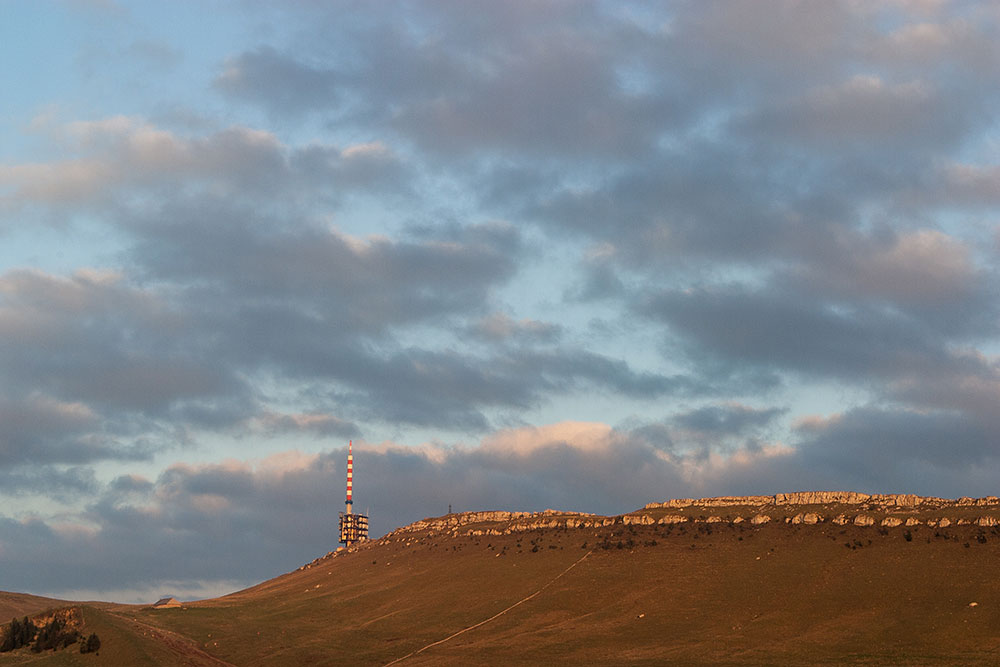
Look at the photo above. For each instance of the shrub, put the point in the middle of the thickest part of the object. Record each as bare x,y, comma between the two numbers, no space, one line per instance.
91,645
54,636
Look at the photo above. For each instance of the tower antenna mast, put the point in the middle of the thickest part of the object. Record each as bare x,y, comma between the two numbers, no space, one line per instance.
353,527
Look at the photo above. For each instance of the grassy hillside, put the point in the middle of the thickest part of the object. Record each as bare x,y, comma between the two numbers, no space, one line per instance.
20,604
686,593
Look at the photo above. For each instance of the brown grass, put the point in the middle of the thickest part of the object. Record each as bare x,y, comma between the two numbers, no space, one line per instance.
689,594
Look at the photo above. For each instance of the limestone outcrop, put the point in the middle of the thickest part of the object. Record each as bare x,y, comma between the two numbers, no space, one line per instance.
877,500
882,510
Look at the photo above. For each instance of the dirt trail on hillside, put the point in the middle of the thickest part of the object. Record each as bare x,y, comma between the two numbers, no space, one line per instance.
494,616
185,649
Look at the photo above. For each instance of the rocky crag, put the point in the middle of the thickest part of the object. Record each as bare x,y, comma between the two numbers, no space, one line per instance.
879,500
808,508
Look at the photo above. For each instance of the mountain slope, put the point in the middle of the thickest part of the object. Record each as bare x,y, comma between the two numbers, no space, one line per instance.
736,581
21,604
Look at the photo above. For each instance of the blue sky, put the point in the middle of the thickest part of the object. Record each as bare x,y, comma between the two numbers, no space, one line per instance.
581,255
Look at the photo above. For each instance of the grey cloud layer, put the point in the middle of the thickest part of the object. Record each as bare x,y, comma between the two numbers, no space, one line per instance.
797,148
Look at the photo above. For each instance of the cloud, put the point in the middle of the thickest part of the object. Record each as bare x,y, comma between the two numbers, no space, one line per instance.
320,424
65,484
500,78
500,327
850,115
743,327
114,157
871,447
93,340
718,421
923,266
280,82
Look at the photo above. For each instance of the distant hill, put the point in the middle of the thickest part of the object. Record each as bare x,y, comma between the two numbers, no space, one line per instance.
793,579
20,604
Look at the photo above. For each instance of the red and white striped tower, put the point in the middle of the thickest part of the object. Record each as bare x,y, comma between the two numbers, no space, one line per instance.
350,475
353,527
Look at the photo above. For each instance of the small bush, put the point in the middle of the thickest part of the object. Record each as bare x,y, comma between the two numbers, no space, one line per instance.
19,635
91,645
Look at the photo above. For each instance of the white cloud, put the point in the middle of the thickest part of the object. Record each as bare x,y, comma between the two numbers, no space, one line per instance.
584,436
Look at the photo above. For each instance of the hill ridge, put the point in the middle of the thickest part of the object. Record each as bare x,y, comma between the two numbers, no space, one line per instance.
890,510
829,497
824,577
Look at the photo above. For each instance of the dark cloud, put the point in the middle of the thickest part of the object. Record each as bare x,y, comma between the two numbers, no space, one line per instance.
64,484
280,83
726,420
349,284
870,447
90,345
775,330
456,79
319,424
454,389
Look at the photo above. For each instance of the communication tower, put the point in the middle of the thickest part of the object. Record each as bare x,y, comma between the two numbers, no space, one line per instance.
353,527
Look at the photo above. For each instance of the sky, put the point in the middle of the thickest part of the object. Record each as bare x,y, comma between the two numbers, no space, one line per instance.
526,255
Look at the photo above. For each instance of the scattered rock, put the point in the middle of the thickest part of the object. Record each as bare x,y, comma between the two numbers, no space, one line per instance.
720,501
505,523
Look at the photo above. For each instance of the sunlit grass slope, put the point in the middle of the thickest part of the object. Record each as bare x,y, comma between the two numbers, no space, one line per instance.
686,593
